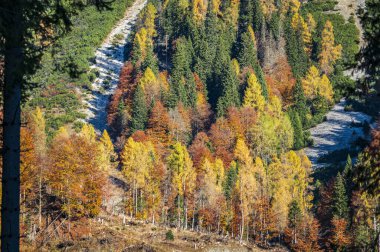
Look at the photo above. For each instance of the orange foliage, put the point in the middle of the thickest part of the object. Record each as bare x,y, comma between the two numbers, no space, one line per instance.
282,79
199,149
159,127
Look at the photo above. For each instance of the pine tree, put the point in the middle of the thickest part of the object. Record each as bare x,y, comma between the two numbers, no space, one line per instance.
297,56
340,199
139,110
370,55
299,141
294,218
230,96
300,104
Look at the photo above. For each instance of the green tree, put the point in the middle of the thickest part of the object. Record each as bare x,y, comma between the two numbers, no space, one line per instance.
299,140
370,20
339,198
297,56
230,91
300,104
294,219
139,110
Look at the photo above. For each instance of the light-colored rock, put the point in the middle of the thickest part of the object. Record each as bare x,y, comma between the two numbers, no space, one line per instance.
338,132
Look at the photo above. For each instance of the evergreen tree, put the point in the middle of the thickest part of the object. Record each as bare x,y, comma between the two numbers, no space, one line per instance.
340,199
182,84
297,56
258,17
294,219
300,104
299,141
230,96
150,60
230,180
370,20
247,55
245,15
139,110
221,60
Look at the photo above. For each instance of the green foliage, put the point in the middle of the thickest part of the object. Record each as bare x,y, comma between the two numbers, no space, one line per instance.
295,214
169,235
139,110
340,198
299,140
230,180
182,83
297,56
230,91
370,19
300,104
65,65
247,57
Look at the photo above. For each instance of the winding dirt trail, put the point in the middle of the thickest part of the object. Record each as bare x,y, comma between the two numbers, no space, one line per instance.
109,59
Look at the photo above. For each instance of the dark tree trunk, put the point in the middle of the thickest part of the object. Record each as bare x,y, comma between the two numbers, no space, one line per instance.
13,77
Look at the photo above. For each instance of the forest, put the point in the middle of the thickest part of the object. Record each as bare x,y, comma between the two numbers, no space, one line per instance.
205,128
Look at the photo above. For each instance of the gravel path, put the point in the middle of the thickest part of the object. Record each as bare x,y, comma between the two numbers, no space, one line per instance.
109,61
337,133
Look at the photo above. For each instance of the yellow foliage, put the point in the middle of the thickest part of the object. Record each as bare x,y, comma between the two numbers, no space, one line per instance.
88,132
141,41
236,66
330,52
252,34
216,6
313,84
275,105
253,94
298,23
199,9
148,78
268,7
182,170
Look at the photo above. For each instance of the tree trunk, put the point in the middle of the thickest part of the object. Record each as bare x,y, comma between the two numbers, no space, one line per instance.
13,77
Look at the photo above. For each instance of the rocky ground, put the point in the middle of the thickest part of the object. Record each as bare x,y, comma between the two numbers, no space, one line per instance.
339,132
109,58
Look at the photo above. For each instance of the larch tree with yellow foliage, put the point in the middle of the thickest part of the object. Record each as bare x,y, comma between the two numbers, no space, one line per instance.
38,127
137,162
330,52
253,97
199,9
246,183
314,85
183,176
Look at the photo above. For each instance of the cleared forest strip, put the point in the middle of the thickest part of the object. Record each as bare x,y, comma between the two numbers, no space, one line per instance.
109,58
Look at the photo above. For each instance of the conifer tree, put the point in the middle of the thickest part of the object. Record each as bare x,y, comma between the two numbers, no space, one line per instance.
340,199
299,141
297,56
370,18
330,52
139,110
253,94
230,96
294,218
300,103
108,146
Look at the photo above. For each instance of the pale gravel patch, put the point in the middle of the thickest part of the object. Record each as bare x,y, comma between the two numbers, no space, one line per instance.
109,59
338,132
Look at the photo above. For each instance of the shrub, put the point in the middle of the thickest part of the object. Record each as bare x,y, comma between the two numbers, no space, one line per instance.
169,235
